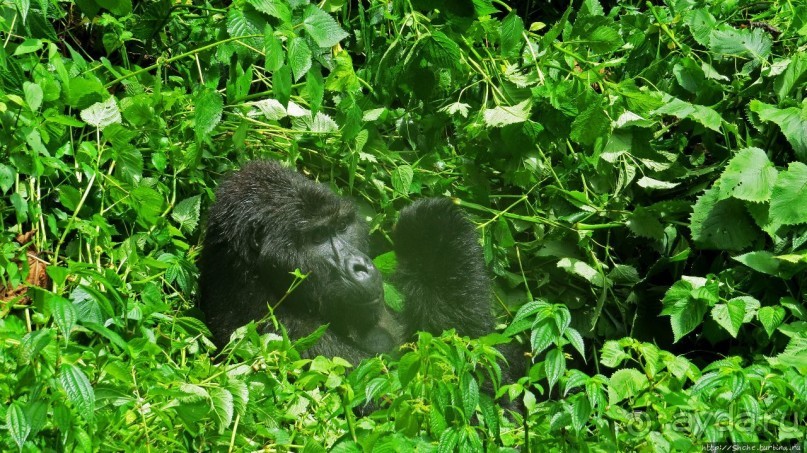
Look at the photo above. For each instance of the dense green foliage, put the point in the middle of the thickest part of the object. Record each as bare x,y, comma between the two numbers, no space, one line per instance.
638,176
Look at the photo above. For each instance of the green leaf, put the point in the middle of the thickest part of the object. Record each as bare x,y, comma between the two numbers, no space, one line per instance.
794,76
789,193
102,114
576,340
581,411
441,50
749,176
274,8
64,313
322,28
643,223
186,213
33,95
469,392
402,178
223,409
752,43
315,85
604,39
730,315
591,124
688,319
584,270
78,390
511,34
299,57
7,177
17,424
209,107
771,318
542,337
706,116
281,84
792,121
626,383
761,261
554,365
701,23
503,115
721,224
147,203
612,354
448,441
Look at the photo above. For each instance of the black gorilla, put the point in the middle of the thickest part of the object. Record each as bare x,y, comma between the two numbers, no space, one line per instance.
268,221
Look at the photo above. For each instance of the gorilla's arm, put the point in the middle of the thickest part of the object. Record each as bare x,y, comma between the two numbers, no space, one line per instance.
441,270
353,347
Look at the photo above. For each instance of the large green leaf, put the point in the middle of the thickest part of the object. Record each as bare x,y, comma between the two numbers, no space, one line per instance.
755,44
322,28
78,389
789,195
792,121
721,224
749,176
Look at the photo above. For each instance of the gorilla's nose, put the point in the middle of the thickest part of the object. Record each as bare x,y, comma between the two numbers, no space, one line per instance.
361,269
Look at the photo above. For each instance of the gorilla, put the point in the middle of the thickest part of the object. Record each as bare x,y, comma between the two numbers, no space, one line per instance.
268,221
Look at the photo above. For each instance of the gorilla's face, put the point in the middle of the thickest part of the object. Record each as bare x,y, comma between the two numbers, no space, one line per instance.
329,243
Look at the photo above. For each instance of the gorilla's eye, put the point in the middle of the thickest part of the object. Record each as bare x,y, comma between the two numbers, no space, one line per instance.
342,226
320,235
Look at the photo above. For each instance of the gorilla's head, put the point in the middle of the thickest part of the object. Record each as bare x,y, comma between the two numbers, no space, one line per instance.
268,221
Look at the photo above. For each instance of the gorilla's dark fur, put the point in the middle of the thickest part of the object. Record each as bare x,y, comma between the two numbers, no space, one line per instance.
268,221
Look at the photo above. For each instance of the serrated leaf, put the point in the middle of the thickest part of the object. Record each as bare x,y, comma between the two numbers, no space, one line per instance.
591,124
612,354
789,193
78,389
604,39
455,108
753,43
761,261
706,116
63,312
581,411
102,114
274,8
771,318
186,213
792,121
626,383
322,28
299,58
7,177
510,33
272,109
469,394
209,106
222,402
503,115
246,23
402,178
554,365
17,424
441,50
794,75
689,318
701,23
33,95
650,183
448,441
576,340
542,337
749,176
729,316
582,269
721,224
